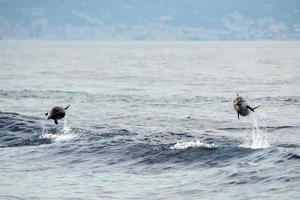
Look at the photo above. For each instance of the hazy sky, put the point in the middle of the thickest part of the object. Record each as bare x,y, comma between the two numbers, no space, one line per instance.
150,20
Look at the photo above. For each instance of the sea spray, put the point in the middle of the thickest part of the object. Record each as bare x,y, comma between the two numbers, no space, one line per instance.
66,127
64,134
44,127
259,139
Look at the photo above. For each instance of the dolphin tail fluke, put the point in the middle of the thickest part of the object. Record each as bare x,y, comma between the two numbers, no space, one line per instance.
252,109
67,107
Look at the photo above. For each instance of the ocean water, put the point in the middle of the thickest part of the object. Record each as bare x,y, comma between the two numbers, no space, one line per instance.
149,120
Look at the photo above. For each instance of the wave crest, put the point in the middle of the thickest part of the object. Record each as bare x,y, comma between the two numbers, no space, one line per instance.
191,144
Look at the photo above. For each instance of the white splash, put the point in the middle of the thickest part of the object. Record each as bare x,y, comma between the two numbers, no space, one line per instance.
259,139
57,137
185,145
44,126
63,135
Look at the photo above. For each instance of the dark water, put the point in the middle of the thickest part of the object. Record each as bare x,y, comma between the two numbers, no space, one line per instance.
149,120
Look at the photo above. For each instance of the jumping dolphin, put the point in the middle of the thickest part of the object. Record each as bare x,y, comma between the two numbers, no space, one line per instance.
57,113
241,107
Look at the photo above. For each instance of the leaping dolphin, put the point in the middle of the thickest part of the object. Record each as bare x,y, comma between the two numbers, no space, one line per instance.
57,113
241,106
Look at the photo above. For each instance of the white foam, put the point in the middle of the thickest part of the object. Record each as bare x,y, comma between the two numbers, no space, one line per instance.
65,134
259,139
191,144
57,137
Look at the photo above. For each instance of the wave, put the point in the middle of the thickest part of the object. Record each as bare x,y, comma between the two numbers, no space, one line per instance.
270,128
20,130
123,146
293,156
191,144
14,122
287,99
41,94
71,95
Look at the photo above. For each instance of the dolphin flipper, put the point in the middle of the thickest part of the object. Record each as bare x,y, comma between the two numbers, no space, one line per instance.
256,107
238,115
252,109
55,121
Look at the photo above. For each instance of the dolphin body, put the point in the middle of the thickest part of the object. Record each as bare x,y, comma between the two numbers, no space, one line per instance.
241,107
57,113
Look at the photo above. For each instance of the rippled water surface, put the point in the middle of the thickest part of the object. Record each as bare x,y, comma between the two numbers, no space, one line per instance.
149,120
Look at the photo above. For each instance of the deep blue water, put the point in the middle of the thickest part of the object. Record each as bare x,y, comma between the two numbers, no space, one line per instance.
149,120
